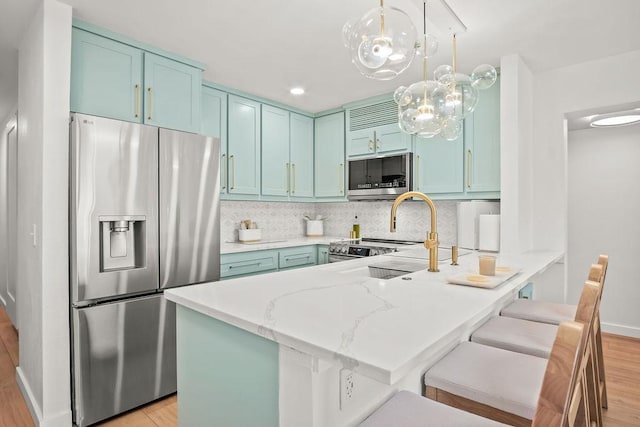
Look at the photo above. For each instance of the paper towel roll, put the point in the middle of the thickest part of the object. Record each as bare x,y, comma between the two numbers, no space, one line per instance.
489,226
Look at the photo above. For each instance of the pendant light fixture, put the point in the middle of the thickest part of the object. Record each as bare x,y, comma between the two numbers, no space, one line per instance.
417,113
382,43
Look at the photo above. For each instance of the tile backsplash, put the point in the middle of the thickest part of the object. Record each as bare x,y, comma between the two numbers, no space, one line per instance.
281,220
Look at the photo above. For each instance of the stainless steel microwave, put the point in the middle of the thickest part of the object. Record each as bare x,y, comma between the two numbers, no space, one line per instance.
380,177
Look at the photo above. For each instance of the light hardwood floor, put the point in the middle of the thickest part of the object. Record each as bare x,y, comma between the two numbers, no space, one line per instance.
621,357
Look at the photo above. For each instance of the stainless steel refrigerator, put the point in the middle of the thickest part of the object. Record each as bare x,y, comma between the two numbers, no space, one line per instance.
144,209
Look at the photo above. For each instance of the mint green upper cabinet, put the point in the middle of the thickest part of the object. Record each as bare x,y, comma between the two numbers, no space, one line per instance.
438,166
276,167
329,156
106,77
243,146
172,93
301,155
373,129
482,143
214,123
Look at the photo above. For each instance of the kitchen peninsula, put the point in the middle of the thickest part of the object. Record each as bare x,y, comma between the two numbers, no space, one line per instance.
325,345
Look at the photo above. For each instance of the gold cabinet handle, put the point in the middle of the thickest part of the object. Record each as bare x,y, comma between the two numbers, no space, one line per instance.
137,89
288,177
150,98
233,171
340,178
223,164
417,174
377,144
468,168
293,169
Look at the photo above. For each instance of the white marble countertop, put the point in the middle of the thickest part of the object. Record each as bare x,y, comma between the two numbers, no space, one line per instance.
235,247
379,328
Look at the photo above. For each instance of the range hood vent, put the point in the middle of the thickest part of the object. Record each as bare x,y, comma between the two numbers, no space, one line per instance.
384,113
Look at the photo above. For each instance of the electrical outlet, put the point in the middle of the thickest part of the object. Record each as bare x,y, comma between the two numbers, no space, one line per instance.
347,387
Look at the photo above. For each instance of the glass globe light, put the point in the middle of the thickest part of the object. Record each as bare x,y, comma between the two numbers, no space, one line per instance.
451,129
399,98
430,42
484,76
347,30
456,97
382,52
419,114
442,72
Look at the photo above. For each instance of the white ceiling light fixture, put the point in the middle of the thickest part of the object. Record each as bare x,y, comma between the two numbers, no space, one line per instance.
627,119
382,43
296,91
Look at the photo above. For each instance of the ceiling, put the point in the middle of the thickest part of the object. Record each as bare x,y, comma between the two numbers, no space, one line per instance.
265,47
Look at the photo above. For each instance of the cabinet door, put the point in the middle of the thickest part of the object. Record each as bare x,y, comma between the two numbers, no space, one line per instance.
438,165
275,152
301,256
172,94
360,143
482,143
389,138
243,146
214,123
323,254
106,77
301,149
329,156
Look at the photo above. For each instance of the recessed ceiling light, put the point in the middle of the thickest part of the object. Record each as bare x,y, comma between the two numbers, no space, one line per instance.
628,119
297,91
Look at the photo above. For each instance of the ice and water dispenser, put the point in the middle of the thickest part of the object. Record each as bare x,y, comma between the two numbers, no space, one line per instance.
122,242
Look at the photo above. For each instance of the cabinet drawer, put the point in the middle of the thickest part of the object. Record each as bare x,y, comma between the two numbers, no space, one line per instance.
297,257
248,263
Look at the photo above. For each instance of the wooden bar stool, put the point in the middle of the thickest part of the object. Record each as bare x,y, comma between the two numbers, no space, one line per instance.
536,339
554,313
497,383
560,401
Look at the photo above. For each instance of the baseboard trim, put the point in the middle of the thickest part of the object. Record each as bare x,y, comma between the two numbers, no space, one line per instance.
32,403
614,328
61,419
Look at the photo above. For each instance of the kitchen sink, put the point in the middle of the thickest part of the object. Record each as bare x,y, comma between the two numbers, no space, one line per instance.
391,269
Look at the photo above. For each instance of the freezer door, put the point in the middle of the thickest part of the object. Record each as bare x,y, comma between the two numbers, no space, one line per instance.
114,208
189,209
124,355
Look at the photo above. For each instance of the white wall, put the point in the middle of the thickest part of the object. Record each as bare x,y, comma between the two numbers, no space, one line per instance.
602,206
603,82
516,140
43,104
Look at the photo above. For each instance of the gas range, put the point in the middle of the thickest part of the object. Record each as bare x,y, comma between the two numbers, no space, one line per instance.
352,249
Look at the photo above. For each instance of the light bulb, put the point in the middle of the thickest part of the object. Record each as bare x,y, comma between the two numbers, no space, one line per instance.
382,47
425,112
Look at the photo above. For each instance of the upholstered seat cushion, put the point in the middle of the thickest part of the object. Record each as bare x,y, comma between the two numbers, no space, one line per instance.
540,311
519,335
499,378
407,409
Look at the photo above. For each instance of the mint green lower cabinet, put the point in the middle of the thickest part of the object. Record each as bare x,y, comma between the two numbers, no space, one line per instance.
323,254
299,256
243,146
214,123
330,157
301,156
106,77
276,168
172,94
438,166
482,143
248,263
226,376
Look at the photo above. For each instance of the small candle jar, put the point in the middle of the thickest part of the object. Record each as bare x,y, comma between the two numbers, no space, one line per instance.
487,265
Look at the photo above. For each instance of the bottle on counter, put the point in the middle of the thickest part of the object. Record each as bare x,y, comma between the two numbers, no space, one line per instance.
356,228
